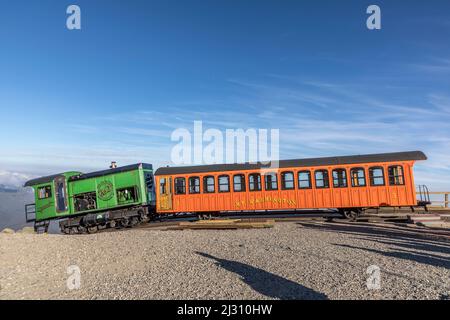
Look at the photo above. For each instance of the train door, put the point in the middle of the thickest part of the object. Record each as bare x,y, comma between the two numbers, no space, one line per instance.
60,194
165,194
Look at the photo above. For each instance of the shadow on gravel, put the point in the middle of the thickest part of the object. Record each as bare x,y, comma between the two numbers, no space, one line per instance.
408,245
267,283
411,256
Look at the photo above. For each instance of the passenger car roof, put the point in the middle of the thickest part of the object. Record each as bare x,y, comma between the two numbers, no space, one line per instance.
368,158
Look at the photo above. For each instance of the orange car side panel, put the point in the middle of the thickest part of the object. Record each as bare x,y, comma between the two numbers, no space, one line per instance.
313,198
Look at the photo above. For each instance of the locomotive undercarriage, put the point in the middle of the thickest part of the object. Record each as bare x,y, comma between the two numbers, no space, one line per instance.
116,219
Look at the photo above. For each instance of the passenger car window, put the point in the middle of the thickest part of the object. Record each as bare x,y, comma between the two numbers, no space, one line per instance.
224,183
287,180
239,183
180,186
304,180
358,177
396,175
162,186
339,178
322,180
254,182
271,182
194,185
376,176
208,184
45,192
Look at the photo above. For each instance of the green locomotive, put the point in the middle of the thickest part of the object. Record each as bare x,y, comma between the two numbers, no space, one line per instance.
118,197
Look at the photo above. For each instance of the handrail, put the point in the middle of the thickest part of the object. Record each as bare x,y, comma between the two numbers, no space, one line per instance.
446,194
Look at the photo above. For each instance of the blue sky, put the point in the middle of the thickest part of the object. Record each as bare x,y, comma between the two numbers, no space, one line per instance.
137,70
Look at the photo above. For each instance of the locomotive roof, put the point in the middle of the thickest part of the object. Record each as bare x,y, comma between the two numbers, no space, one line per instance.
41,180
112,171
368,158
81,176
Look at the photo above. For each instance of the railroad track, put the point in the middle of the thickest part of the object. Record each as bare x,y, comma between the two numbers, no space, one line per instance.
258,221
248,221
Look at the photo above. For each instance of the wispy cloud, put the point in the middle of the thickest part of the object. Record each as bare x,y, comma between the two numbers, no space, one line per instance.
315,118
14,179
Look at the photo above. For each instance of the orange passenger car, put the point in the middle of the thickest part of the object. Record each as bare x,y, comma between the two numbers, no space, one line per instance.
349,184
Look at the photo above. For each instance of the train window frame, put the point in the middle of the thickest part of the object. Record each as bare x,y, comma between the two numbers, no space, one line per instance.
358,177
206,184
309,179
227,184
132,190
270,174
283,180
196,188
371,177
47,192
161,181
176,190
241,183
342,182
402,175
258,182
324,179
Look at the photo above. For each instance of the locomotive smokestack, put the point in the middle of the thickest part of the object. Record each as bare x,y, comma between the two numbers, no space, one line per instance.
113,165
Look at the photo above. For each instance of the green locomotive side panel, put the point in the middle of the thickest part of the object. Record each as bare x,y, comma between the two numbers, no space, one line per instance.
111,191
74,193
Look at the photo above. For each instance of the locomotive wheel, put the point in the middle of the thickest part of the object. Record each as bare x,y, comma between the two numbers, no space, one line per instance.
92,229
142,215
112,224
82,229
134,221
124,223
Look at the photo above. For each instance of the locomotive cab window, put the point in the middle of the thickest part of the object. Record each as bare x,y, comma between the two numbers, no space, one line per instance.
376,176
396,176
180,186
208,184
358,177
44,192
148,177
339,178
239,183
271,182
287,180
224,183
322,179
304,180
194,185
254,182
127,195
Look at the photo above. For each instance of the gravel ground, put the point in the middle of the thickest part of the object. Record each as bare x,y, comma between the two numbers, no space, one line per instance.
295,260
